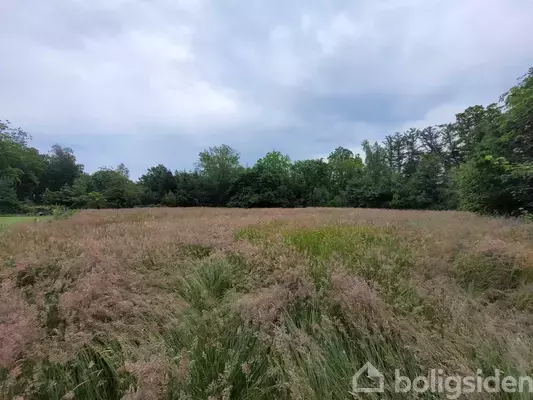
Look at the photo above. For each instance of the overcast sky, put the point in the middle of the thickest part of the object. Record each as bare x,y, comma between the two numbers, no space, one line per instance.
156,81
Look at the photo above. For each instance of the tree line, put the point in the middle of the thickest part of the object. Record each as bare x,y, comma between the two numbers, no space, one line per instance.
481,162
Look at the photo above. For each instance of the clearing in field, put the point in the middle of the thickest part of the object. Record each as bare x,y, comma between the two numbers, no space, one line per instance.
16,219
259,304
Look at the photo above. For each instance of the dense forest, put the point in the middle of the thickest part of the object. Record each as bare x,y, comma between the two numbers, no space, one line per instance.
482,162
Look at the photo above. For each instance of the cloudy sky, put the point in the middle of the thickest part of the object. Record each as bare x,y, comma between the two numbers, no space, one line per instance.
156,81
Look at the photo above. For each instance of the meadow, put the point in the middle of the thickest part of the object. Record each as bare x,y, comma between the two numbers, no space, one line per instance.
207,303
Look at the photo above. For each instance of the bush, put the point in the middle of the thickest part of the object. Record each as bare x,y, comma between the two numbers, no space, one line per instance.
9,203
32,209
169,200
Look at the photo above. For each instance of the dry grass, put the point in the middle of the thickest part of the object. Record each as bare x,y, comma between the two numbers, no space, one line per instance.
258,304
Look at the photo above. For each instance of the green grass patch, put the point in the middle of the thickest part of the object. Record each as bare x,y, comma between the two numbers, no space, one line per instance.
207,284
261,233
351,242
6,221
375,253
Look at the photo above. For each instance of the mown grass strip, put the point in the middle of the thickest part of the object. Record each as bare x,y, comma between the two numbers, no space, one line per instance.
6,221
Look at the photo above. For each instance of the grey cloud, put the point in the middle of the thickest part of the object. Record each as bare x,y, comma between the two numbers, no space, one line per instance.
144,82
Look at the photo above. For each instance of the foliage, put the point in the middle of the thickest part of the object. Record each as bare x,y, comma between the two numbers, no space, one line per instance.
8,197
218,166
482,162
157,181
169,200
61,168
267,184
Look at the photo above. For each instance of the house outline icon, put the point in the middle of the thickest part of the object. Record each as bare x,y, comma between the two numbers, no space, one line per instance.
372,373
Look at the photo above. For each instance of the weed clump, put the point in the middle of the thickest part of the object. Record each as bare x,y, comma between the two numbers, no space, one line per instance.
488,267
95,373
522,298
207,284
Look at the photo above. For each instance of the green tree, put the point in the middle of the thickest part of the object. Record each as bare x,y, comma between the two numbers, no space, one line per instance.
8,197
344,166
58,197
311,180
518,121
483,185
497,175
426,188
472,125
22,164
95,200
267,184
219,166
157,181
61,168
192,189
170,200
482,161
373,187
115,187
123,170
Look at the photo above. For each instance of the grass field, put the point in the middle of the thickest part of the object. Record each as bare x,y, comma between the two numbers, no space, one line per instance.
260,304
6,221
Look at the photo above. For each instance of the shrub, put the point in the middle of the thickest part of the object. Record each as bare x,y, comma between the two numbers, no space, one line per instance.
169,200
9,203
31,209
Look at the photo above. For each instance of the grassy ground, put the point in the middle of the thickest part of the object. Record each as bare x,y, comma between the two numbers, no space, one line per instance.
259,304
5,221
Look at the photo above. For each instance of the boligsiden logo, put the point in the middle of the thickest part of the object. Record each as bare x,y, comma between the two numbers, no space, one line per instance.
368,379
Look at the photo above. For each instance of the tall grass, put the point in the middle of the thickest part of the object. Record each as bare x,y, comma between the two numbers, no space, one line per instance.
237,304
